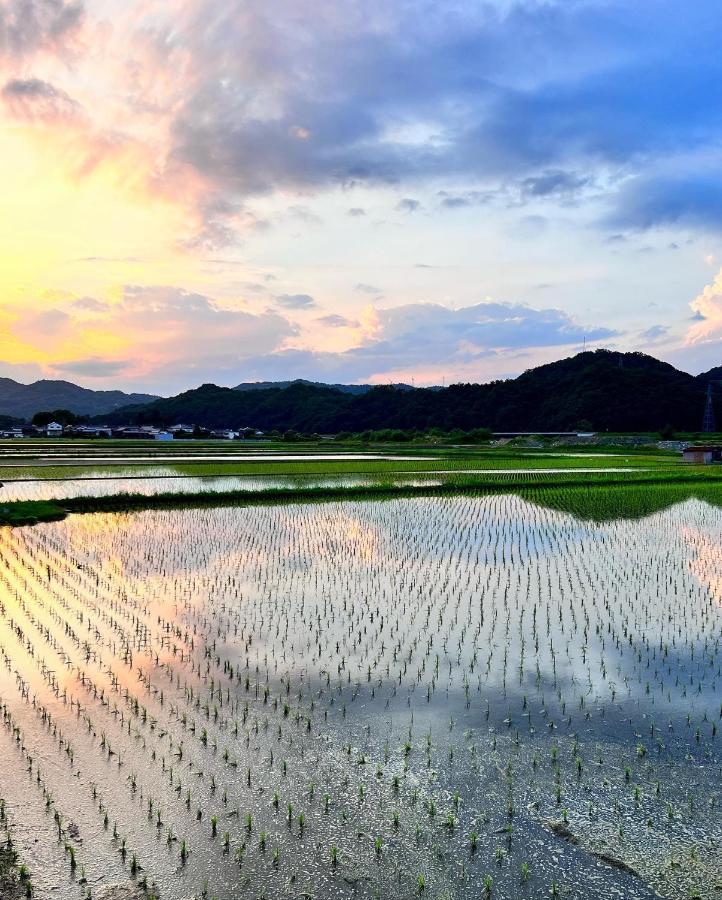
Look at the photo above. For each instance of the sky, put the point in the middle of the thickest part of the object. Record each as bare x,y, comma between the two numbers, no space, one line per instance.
428,191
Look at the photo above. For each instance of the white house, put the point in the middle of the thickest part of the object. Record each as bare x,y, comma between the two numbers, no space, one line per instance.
54,429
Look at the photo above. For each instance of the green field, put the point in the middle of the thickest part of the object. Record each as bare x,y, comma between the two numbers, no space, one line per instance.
561,475
593,495
430,461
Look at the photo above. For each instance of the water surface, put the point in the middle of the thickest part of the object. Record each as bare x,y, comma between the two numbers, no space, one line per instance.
396,690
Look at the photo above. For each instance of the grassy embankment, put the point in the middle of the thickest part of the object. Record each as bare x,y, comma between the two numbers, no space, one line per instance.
594,495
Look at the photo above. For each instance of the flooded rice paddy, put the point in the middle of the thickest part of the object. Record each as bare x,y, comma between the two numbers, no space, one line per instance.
452,698
74,458
13,490
64,488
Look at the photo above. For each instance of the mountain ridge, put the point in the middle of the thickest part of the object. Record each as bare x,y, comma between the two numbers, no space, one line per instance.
24,400
344,388
598,390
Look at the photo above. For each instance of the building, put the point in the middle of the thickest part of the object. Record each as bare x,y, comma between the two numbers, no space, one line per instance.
544,434
142,432
224,434
54,429
703,455
247,433
181,430
92,431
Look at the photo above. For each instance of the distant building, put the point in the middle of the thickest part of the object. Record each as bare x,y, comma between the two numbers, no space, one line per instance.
549,434
54,429
249,433
146,432
92,431
182,430
702,455
224,434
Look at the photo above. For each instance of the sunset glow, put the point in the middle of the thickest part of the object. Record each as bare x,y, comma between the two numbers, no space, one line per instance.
204,191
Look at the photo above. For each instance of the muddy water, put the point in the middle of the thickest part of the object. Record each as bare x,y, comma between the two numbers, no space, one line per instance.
436,697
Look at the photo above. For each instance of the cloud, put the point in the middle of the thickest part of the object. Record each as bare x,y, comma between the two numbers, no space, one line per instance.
92,367
90,304
336,321
161,335
464,199
36,100
655,333
706,313
408,205
44,327
645,202
367,288
535,101
356,212
27,26
295,301
418,92
553,183
428,335
165,338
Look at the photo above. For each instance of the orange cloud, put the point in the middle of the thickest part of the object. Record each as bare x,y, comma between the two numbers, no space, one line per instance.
707,308
145,332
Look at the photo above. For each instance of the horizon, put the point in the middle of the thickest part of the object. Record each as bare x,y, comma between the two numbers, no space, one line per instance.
204,192
273,382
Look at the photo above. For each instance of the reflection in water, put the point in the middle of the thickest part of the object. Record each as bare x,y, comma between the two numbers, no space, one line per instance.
381,687
47,489
623,501
162,483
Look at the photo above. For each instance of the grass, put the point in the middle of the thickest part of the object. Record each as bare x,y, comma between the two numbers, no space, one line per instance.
30,512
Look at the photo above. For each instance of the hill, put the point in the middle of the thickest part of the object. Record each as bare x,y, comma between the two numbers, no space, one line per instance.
344,388
24,400
712,375
602,390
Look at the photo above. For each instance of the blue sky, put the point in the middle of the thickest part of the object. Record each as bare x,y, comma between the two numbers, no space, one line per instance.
205,190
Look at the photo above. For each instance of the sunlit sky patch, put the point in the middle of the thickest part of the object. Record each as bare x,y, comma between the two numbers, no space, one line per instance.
197,190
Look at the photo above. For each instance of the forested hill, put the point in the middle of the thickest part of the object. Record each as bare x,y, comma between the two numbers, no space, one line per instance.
600,390
24,400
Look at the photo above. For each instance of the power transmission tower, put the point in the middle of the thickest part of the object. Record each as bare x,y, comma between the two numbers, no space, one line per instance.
708,423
